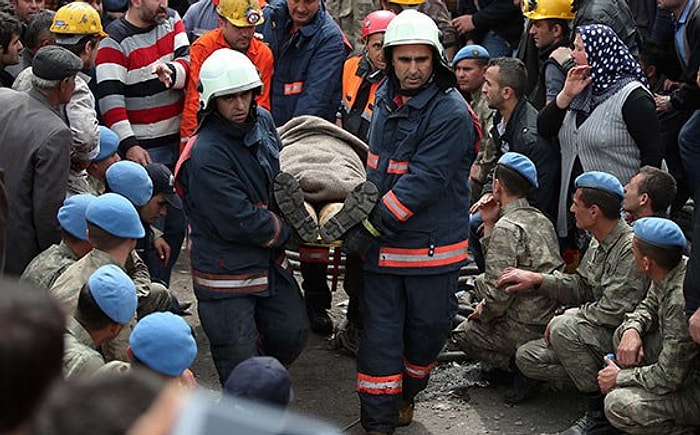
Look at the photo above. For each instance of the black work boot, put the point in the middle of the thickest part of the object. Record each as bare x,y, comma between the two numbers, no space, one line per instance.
358,205
406,407
290,199
594,421
523,388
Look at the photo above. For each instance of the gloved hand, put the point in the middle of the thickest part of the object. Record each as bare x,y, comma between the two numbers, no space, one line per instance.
359,238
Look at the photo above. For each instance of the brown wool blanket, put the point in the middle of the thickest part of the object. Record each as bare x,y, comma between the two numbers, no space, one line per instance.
328,161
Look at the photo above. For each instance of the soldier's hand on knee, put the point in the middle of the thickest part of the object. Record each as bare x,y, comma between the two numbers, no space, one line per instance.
694,326
521,280
547,331
630,351
607,377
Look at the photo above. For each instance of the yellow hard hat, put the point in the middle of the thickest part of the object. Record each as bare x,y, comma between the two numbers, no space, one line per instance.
543,9
241,13
76,18
408,2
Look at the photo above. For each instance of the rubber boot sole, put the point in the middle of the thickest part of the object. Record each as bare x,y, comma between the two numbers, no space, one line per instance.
358,205
290,200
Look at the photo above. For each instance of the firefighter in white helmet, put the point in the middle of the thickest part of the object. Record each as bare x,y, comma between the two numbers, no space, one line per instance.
249,302
421,145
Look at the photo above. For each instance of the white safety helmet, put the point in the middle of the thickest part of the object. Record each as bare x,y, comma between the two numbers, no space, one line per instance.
226,72
413,27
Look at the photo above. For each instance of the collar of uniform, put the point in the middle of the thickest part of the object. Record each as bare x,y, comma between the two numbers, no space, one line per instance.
620,229
518,203
81,334
673,274
65,250
421,99
100,258
249,136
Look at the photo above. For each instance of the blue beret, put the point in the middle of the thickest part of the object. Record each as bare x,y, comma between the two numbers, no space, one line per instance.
601,181
520,164
470,52
131,180
71,215
659,232
164,342
114,292
109,144
260,378
116,215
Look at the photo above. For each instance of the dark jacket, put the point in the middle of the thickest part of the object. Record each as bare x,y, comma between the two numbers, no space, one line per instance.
501,16
615,14
34,152
538,95
235,236
419,158
521,137
308,64
687,97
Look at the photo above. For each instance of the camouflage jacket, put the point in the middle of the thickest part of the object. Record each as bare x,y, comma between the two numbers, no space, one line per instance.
67,287
80,358
524,238
606,284
662,311
46,267
488,154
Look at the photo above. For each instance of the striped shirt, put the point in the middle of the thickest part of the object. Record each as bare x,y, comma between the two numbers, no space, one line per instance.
133,102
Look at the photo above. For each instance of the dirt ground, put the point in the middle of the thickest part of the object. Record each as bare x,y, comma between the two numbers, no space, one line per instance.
457,400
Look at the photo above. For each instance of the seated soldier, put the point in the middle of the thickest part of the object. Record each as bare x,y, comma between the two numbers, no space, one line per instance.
604,288
657,388
164,344
649,193
515,234
46,267
107,303
109,143
132,181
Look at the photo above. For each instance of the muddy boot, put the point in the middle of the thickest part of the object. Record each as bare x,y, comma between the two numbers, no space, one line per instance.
594,421
358,205
523,388
319,320
298,214
406,407
347,337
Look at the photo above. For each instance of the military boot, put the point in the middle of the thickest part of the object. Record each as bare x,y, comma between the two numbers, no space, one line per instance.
358,205
406,407
594,421
523,388
297,213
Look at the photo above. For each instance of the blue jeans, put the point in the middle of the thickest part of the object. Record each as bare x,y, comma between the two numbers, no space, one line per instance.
689,145
243,326
475,222
496,45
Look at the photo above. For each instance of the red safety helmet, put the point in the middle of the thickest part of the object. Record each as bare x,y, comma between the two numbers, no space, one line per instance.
376,22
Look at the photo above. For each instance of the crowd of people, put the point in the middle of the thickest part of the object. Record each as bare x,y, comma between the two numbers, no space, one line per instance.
551,143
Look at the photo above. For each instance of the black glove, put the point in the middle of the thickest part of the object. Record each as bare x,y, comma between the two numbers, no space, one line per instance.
359,239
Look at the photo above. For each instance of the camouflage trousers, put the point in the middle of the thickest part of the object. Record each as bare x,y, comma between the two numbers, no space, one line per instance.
576,353
349,15
637,411
494,342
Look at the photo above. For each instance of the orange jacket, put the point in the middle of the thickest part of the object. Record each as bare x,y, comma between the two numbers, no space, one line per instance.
351,84
259,53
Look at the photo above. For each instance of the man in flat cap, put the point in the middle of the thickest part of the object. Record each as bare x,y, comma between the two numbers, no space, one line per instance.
604,288
35,144
653,386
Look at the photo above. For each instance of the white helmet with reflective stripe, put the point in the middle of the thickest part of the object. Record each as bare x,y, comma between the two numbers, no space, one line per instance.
226,72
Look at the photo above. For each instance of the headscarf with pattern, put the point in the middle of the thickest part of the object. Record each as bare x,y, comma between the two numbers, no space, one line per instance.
612,66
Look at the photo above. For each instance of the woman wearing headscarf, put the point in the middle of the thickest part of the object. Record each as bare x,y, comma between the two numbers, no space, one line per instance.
605,117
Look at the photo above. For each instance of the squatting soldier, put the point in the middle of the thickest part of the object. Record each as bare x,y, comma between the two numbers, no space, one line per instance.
46,267
657,390
606,286
522,236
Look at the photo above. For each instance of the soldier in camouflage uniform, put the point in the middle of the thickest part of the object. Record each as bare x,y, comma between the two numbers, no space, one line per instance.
106,304
605,287
521,236
46,267
109,143
349,15
657,390
469,65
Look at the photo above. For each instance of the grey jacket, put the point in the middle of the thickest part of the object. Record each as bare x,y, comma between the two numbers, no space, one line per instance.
34,153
